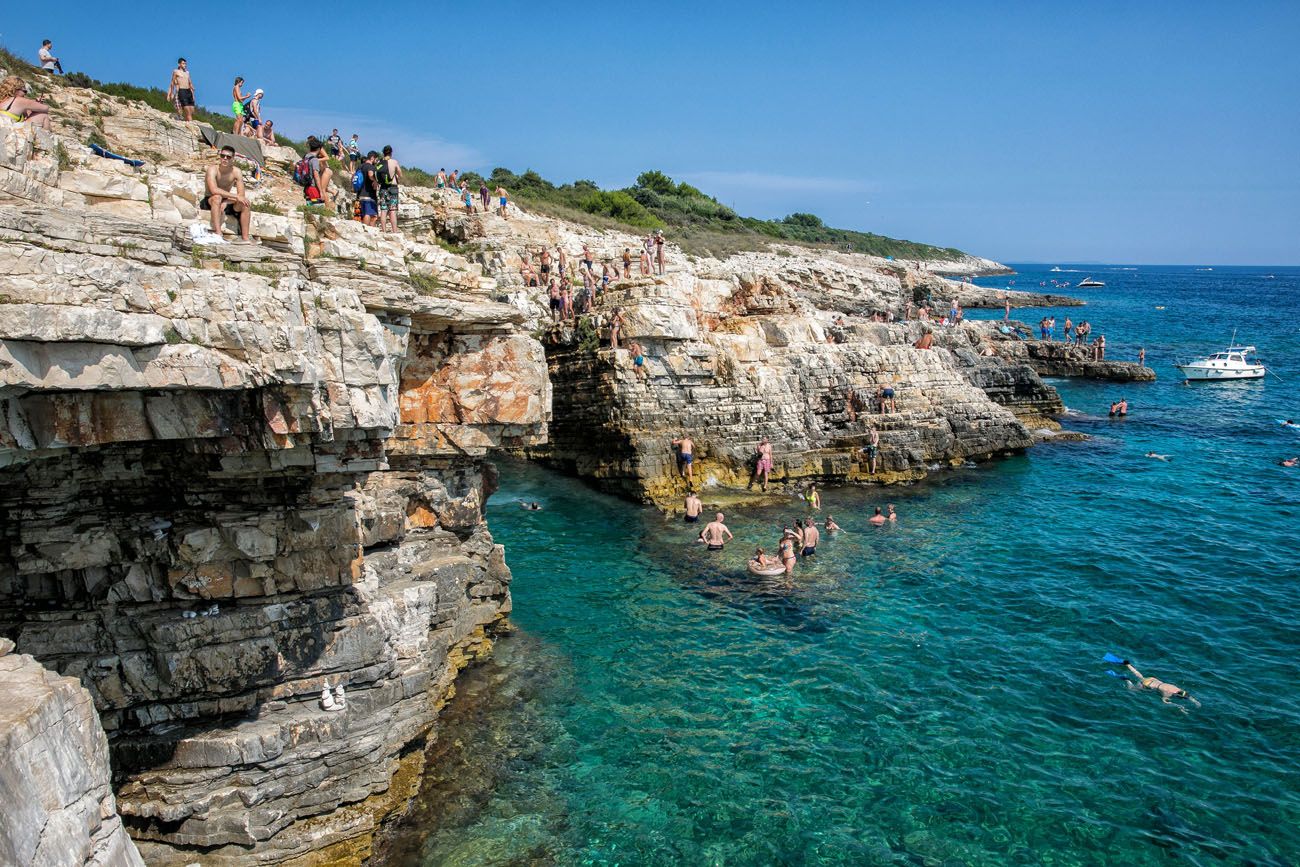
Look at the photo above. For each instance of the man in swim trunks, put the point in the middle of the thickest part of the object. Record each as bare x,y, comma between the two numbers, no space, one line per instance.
638,360
686,459
872,449
1167,690
693,508
225,193
713,532
810,538
877,520
181,91
503,200
388,196
335,142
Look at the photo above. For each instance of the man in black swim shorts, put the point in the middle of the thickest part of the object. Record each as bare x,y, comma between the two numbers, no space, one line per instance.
713,532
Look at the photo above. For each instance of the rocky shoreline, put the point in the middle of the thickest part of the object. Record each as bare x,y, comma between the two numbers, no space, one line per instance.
233,475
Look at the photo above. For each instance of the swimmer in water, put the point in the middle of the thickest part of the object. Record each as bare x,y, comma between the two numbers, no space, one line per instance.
532,507
1167,690
831,526
877,520
893,516
1157,457
1291,462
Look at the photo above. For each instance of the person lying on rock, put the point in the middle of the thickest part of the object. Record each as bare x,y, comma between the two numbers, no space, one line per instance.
224,194
18,107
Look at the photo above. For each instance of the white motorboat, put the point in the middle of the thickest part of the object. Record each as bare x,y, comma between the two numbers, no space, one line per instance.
1088,281
1056,268
1235,362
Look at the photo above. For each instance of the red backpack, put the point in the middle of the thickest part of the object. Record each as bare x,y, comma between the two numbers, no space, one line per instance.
302,175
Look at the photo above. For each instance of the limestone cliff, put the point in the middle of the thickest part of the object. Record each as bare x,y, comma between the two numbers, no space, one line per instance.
793,344
232,475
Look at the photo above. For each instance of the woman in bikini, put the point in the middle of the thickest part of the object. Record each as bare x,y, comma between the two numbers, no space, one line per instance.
238,98
18,108
785,550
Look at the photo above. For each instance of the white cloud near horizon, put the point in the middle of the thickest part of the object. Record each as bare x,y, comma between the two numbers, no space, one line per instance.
410,147
773,181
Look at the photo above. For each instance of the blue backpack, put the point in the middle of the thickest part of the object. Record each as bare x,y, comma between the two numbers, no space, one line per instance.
358,181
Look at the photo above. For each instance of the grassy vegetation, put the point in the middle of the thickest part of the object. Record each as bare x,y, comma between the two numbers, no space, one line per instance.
697,221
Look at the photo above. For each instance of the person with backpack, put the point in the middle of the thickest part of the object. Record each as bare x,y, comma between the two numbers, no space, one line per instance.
366,186
389,173
313,174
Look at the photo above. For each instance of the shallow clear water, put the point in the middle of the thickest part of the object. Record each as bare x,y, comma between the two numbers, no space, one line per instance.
931,692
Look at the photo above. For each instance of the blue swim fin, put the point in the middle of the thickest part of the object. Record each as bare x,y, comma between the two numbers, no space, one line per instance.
1110,657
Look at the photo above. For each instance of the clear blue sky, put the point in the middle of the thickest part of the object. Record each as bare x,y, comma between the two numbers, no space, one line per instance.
1119,132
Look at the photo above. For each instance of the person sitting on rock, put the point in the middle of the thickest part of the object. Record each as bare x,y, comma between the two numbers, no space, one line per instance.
224,194
925,341
18,107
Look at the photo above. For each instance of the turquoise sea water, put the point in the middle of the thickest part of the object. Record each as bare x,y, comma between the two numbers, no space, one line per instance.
931,692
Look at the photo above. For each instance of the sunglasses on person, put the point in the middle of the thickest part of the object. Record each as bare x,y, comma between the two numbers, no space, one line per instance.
227,156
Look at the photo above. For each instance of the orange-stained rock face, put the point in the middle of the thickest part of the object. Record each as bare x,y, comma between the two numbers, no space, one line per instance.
473,380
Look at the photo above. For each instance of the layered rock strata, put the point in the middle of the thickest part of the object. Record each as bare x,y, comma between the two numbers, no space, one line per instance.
233,475
59,806
1058,358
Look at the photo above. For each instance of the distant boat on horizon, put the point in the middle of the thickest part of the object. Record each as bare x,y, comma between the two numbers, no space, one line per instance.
1056,267
1088,281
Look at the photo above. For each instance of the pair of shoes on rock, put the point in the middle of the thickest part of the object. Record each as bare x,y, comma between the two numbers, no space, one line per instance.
335,700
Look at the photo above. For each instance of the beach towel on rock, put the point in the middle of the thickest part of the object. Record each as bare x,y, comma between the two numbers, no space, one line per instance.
244,147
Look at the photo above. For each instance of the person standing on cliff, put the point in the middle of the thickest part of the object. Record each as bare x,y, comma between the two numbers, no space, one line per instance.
368,197
763,468
1006,316
872,448
483,195
503,200
1069,330
659,252
686,458
693,508
49,62
1142,357
389,172
180,92
713,532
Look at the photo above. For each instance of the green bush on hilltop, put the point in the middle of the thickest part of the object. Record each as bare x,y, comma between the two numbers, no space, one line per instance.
698,221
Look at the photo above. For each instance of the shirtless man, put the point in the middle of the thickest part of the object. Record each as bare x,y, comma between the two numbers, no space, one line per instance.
925,341
713,532
686,459
1142,357
872,449
877,520
181,91
1167,690
693,508
502,200
810,538
1006,316
225,193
